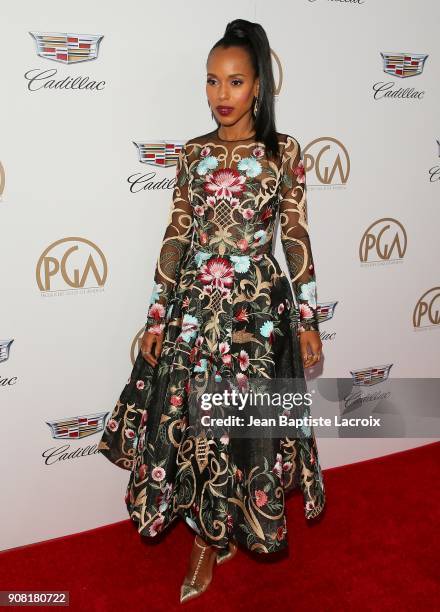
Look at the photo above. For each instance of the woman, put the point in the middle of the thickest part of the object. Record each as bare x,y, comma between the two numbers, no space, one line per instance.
222,307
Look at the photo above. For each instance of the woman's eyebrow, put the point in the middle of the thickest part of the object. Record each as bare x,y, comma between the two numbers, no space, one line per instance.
231,75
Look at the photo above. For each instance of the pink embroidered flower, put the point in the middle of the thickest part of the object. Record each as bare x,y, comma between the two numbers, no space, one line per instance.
157,525
277,469
199,210
158,474
227,359
199,341
217,273
281,308
234,202
224,183
185,302
143,471
140,385
243,360
305,311
243,244
156,329
112,425
224,348
203,238
176,400
260,498
238,474
242,315
130,434
242,380
205,151
287,466
224,439
157,311
248,213
258,152
299,172
211,200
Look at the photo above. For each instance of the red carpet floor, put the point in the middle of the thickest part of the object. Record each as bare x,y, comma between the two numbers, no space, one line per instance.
376,547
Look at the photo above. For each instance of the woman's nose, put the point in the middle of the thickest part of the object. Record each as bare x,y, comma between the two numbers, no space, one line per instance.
223,93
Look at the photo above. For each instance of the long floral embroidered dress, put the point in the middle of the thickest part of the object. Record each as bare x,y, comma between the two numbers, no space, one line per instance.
226,309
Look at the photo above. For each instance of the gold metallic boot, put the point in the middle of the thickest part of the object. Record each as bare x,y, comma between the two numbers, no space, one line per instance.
227,553
199,574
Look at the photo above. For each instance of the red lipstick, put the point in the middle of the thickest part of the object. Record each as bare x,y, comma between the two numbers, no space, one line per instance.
225,110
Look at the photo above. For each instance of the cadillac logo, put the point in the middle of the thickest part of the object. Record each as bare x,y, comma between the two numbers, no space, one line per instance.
5,346
76,427
403,64
370,376
160,152
326,311
67,48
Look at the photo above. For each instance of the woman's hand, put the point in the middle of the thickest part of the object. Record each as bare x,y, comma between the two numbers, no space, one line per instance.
310,339
151,347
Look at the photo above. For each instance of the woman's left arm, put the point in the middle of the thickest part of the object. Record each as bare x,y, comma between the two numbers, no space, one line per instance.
297,249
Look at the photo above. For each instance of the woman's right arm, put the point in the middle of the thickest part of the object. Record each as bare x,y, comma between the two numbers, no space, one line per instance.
175,243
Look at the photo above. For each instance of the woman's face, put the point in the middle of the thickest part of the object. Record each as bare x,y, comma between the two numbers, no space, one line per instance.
231,85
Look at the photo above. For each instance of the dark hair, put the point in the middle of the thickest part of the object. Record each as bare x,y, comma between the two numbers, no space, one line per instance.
252,37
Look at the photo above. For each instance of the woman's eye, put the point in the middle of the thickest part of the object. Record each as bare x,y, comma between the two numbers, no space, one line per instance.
237,81
210,80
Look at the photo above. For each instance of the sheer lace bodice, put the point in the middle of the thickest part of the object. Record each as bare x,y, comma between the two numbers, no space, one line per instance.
225,204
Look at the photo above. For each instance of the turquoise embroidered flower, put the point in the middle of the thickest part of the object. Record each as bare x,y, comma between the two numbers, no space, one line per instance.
260,237
266,329
201,365
306,430
190,326
201,257
207,163
241,263
308,293
157,288
250,166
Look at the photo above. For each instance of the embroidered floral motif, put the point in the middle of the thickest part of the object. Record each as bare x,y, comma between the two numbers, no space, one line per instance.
226,310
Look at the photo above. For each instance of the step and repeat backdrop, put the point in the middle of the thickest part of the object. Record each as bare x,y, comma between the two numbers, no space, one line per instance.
96,103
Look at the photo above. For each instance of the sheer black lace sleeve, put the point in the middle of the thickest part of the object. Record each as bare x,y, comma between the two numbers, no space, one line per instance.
295,236
175,244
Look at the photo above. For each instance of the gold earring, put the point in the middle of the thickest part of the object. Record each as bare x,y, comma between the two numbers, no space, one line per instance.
255,106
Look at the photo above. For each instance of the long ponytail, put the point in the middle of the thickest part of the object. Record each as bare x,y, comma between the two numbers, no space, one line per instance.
252,37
